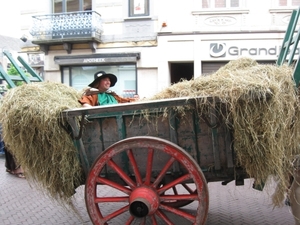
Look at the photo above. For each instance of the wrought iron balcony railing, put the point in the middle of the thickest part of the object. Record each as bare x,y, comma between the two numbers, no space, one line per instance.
61,26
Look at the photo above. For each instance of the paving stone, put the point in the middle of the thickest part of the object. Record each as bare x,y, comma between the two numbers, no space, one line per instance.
22,204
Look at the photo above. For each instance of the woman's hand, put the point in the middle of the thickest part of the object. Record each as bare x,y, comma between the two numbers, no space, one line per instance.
86,105
91,91
136,97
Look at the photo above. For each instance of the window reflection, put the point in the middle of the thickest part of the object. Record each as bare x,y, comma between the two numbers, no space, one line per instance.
80,76
138,8
220,3
288,2
61,6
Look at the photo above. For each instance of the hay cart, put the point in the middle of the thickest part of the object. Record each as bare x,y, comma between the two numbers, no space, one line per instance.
154,158
156,162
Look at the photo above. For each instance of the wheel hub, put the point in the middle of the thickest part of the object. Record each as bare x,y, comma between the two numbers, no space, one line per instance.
143,201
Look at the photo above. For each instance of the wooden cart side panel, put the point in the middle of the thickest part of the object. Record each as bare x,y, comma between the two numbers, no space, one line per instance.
192,134
155,125
203,143
95,132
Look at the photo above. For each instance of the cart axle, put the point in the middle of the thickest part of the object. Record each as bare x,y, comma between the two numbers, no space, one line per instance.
144,201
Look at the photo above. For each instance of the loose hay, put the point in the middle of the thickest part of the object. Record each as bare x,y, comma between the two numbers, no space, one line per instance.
30,117
263,110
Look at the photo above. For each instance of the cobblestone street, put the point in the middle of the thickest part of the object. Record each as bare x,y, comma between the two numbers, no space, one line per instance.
22,204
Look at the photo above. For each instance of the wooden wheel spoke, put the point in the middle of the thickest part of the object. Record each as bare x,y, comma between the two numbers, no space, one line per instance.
179,197
134,167
121,173
116,213
175,190
111,199
163,172
153,220
110,183
164,217
187,188
149,166
130,220
174,183
179,212
143,222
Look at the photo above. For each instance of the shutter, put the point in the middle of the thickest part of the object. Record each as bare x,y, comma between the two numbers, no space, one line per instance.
211,67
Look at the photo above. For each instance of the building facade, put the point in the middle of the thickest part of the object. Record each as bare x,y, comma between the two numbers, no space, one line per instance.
150,44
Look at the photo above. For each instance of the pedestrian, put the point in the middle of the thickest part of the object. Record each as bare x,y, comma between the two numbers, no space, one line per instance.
99,94
11,165
10,162
1,143
1,139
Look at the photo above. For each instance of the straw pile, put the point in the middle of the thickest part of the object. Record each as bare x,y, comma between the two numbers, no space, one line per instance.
263,112
30,117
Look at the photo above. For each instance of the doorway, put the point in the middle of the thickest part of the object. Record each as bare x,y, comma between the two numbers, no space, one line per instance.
180,71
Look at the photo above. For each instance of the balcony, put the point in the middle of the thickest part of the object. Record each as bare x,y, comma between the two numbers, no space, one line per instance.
67,29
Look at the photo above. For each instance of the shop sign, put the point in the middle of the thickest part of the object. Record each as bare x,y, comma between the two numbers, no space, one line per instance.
84,61
93,60
219,50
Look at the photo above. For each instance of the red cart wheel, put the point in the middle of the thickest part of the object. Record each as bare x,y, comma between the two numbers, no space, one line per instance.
133,182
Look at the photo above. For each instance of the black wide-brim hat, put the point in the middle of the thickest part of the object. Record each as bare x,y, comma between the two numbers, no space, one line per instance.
100,75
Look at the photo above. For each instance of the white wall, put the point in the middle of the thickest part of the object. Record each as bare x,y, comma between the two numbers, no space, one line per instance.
147,82
29,8
10,18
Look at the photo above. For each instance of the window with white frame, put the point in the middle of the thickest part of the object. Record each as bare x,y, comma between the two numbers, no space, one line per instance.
219,4
288,3
138,8
62,6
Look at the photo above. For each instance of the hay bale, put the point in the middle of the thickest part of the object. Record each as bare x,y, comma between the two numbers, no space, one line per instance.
263,111
30,117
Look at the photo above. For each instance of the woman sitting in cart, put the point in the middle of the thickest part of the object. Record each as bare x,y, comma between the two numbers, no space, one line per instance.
98,93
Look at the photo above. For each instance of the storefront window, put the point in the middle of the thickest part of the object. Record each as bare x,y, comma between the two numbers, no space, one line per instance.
138,8
79,77
220,3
